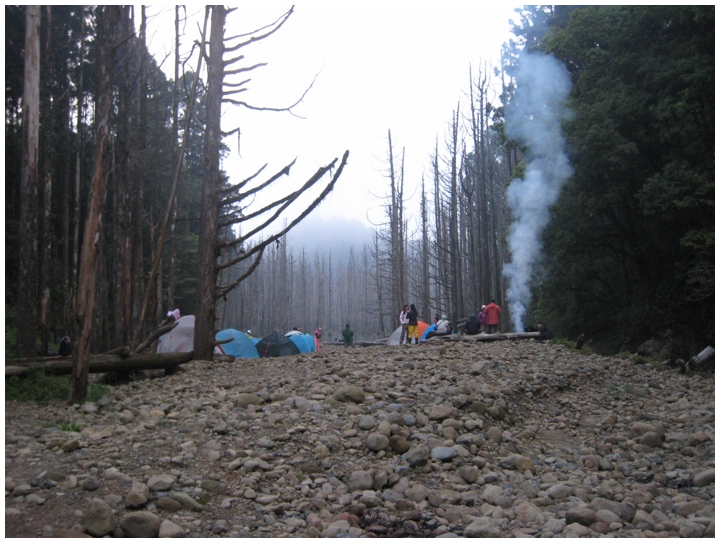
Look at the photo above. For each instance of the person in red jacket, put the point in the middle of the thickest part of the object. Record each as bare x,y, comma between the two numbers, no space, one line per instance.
493,317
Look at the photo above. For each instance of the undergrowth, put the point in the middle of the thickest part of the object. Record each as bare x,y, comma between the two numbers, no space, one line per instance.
36,386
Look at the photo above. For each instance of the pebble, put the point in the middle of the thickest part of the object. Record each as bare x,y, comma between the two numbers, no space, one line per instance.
494,439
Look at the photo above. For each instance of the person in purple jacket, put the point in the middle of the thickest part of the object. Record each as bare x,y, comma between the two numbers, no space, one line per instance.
482,317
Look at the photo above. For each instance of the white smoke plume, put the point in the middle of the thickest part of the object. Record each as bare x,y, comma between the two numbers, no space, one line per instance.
533,119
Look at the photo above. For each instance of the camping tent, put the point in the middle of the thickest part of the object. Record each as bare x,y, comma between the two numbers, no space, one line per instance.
241,346
180,338
429,329
304,342
394,338
276,345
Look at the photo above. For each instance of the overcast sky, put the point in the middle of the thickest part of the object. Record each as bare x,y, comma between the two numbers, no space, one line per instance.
379,65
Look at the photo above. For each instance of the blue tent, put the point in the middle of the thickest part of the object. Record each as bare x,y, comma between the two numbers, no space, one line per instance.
241,346
304,342
430,328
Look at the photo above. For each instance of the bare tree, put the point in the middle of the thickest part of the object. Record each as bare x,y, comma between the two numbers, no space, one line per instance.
28,277
108,17
214,199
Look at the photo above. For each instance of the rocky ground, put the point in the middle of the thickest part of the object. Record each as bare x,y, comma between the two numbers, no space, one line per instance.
508,438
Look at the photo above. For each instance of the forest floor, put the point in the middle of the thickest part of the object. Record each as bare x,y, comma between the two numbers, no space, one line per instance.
509,438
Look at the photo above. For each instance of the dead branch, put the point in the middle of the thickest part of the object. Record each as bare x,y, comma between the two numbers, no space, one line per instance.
223,290
261,246
285,201
277,24
240,197
242,183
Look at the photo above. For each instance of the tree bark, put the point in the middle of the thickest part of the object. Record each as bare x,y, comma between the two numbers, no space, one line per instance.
108,18
208,243
28,288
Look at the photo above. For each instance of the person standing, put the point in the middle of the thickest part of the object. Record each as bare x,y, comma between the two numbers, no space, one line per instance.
482,319
404,323
413,325
347,335
493,317
318,336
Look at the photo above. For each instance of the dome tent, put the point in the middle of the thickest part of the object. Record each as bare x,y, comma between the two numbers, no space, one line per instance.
274,345
429,329
304,342
394,338
241,346
179,339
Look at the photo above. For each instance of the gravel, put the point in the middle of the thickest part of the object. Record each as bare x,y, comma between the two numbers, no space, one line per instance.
499,439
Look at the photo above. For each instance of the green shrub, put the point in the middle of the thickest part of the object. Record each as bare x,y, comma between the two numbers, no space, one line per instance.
36,386
95,392
64,426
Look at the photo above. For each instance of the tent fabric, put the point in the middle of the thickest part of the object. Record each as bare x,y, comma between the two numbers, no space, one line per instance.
394,338
276,345
179,339
241,346
304,342
429,329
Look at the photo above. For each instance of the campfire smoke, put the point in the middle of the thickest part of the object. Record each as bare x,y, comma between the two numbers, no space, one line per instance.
534,117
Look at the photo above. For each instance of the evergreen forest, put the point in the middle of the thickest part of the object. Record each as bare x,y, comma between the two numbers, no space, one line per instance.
126,153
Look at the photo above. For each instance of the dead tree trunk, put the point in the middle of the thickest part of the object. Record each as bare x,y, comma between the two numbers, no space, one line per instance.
108,18
28,286
208,243
213,199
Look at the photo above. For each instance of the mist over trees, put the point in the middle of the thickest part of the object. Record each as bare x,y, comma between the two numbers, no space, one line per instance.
628,251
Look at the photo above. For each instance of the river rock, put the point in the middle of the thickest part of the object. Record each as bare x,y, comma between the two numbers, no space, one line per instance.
399,444
170,529
138,495
360,480
140,524
349,394
377,442
704,478
580,515
158,483
444,454
417,456
98,519
245,400
482,527
440,412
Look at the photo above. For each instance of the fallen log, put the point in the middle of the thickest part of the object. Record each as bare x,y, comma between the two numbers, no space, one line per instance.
707,354
100,363
488,337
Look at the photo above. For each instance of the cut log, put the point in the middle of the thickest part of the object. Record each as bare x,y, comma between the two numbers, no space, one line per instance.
706,355
101,363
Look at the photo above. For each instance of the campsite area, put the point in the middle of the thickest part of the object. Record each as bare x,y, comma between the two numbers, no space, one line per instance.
473,439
